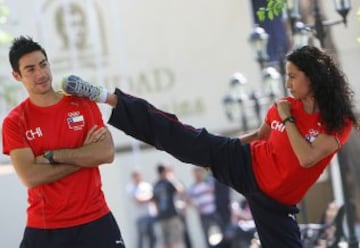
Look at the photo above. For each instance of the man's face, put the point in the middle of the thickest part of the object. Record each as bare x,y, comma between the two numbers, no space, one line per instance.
34,73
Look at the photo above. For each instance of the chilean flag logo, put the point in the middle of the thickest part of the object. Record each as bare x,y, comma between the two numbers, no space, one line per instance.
76,122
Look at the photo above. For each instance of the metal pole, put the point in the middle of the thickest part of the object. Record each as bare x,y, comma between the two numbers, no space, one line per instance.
319,27
282,72
244,121
336,181
257,108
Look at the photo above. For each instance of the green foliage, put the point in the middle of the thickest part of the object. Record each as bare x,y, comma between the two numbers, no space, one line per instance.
273,8
5,37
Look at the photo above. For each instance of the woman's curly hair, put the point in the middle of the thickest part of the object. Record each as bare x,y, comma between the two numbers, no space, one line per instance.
329,84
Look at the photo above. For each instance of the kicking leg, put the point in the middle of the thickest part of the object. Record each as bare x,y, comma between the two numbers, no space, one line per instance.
74,85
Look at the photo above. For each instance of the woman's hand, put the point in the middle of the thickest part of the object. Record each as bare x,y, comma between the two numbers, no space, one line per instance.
283,107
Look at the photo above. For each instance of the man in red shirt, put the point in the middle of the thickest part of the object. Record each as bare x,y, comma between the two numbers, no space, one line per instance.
56,144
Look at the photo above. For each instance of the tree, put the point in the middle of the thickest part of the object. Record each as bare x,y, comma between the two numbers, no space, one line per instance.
273,8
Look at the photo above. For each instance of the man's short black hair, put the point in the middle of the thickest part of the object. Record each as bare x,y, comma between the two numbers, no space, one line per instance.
20,46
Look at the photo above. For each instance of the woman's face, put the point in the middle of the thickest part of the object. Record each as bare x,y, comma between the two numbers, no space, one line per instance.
297,82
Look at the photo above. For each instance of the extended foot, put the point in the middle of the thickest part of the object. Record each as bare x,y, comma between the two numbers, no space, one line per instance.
74,85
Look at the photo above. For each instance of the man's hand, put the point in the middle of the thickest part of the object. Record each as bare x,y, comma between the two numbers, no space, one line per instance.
95,134
97,148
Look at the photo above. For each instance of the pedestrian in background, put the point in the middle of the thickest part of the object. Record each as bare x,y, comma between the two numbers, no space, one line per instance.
141,193
202,197
165,191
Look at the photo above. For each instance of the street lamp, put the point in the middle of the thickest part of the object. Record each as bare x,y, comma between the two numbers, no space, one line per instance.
343,8
301,35
318,27
271,79
293,12
237,102
237,98
259,40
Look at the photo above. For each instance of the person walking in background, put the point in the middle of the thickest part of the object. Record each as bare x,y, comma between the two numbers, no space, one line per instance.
272,166
56,144
243,227
202,196
181,205
141,193
329,235
165,191
223,209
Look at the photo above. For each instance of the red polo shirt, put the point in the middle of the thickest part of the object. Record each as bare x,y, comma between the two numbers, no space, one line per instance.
77,198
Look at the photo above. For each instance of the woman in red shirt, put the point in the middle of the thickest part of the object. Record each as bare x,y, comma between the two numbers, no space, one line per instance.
273,166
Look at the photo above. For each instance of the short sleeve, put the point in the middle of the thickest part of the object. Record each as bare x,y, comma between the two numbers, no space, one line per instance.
12,135
271,114
345,134
95,116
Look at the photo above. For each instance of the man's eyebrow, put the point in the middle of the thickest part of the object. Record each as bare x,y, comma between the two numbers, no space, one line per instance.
31,66
28,66
42,61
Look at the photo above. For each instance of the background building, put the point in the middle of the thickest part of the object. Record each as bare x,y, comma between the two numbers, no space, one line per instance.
179,55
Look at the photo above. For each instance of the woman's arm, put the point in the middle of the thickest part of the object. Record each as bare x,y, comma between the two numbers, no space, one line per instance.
261,133
307,153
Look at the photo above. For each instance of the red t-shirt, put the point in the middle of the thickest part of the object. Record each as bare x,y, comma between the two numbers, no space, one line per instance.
276,167
77,198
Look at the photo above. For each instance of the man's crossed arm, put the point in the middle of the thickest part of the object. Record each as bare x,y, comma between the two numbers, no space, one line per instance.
98,148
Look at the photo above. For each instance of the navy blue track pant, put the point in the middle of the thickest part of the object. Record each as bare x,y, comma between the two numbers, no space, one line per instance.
228,158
